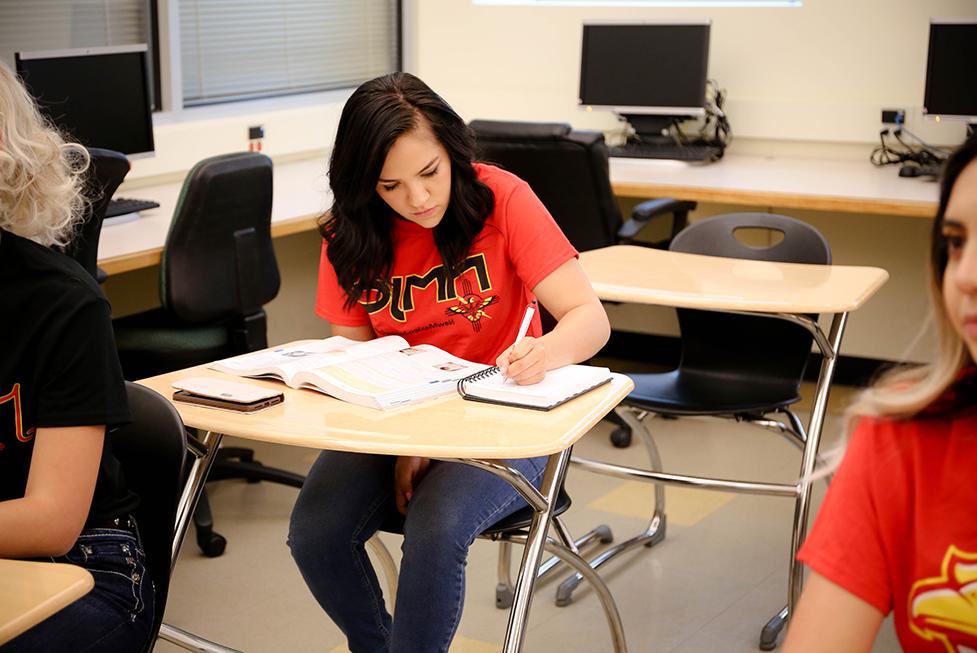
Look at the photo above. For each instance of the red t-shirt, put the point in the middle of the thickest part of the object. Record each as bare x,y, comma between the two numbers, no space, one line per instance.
476,315
898,527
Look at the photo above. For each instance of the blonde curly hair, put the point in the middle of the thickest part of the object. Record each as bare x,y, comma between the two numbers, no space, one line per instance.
41,181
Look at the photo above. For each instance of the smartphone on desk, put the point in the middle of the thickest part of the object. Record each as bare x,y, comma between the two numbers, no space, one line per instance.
226,395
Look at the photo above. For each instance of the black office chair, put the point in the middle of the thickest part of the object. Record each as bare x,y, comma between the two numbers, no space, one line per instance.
218,270
107,169
569,171
151,450
742,367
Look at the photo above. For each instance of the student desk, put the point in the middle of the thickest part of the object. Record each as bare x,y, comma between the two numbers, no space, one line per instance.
841,186
447,428
301,194
30,592
789,291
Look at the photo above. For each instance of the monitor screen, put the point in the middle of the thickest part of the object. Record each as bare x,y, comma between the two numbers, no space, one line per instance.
651,68
951,78
98,96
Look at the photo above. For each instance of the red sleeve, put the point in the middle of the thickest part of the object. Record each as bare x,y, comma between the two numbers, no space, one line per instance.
330,298
846,545
536,245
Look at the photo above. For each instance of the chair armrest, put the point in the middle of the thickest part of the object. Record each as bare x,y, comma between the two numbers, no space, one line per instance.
645,211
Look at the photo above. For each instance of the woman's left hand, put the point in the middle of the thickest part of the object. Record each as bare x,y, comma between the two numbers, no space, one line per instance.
524,362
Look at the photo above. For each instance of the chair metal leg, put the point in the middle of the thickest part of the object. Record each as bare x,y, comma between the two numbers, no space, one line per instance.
192,642
771,631
389,567
653,533
503,590
566,555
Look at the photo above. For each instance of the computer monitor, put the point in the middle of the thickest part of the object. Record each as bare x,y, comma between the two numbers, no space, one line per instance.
951,79
98,96
653,74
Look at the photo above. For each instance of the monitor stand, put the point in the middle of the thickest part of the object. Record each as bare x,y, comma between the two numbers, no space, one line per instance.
654,129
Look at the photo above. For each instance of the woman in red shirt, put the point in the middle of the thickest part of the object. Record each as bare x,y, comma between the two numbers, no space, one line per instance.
423,242
898,528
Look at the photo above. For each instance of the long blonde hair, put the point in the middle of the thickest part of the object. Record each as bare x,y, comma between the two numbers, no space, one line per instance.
40,174
903,392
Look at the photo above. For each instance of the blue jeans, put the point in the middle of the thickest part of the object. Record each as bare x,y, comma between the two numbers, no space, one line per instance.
115,617
348,497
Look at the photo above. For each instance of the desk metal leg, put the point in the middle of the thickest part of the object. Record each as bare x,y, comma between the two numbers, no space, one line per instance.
533,552
802,506
204,451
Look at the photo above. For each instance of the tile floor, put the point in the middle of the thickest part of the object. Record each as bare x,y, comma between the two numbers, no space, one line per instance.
710,586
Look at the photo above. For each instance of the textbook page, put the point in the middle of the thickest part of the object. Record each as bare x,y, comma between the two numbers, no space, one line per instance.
288,360
393,378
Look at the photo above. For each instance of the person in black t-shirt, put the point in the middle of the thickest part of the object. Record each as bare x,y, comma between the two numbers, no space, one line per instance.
62,494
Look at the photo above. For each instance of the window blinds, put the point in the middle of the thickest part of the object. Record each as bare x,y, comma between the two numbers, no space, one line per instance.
241,49
34,25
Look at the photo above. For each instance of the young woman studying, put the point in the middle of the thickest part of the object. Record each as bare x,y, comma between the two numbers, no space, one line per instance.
62,495
423,242
898,528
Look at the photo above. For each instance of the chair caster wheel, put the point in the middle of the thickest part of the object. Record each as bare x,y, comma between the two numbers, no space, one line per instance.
604,534
212,544
503,597
621,437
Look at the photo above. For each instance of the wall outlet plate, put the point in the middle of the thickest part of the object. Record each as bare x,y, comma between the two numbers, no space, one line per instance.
893,116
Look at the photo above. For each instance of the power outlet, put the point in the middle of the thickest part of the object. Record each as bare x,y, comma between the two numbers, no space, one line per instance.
256,135
893,116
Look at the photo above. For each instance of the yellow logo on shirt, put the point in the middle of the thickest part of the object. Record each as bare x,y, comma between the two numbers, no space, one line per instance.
944,608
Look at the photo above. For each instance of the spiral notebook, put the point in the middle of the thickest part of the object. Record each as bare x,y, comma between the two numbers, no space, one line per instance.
557,387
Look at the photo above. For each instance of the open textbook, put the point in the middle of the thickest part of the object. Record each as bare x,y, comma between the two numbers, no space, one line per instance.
381,373
557,387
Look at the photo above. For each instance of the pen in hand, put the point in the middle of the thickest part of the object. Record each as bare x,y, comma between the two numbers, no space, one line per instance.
524,327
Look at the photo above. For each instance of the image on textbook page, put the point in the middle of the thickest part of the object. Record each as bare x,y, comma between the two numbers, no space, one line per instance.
381,373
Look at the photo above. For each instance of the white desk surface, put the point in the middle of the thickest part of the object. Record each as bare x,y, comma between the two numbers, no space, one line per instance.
32,591
301,194
446,427
628,273
846,186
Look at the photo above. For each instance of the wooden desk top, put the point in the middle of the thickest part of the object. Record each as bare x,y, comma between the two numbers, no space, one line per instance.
629,273
301,195
32,591
842,186
446,427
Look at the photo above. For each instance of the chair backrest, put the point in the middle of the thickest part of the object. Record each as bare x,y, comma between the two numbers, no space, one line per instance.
567,169
218,261
772,353
106,171
151,450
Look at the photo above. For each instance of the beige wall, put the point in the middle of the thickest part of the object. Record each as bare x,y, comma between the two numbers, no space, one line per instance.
821,72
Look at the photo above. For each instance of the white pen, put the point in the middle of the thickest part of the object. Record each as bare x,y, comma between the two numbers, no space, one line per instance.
526,321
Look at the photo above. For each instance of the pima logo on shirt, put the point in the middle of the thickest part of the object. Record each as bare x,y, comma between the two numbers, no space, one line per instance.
399,295
14,396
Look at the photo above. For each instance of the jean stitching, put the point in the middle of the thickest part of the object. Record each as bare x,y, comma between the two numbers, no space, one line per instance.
378,605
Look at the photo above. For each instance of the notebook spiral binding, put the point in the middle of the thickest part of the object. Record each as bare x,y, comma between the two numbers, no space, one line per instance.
477,376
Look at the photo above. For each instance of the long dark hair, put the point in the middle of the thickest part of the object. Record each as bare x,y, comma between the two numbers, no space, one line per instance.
358,226
959,160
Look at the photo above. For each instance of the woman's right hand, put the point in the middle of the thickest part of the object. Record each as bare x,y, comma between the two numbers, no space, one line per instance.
408,472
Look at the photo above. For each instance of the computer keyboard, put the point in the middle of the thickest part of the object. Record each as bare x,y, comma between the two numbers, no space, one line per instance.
666,151
124,205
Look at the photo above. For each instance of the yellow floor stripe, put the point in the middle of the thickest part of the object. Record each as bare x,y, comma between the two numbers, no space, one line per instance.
683,506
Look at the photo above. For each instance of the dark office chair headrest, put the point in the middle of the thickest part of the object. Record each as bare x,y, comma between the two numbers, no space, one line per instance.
716,236
507,130
106,170
218,260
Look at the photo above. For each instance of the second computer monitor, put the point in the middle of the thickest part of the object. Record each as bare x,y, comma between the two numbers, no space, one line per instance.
645,69
951,80
97,96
